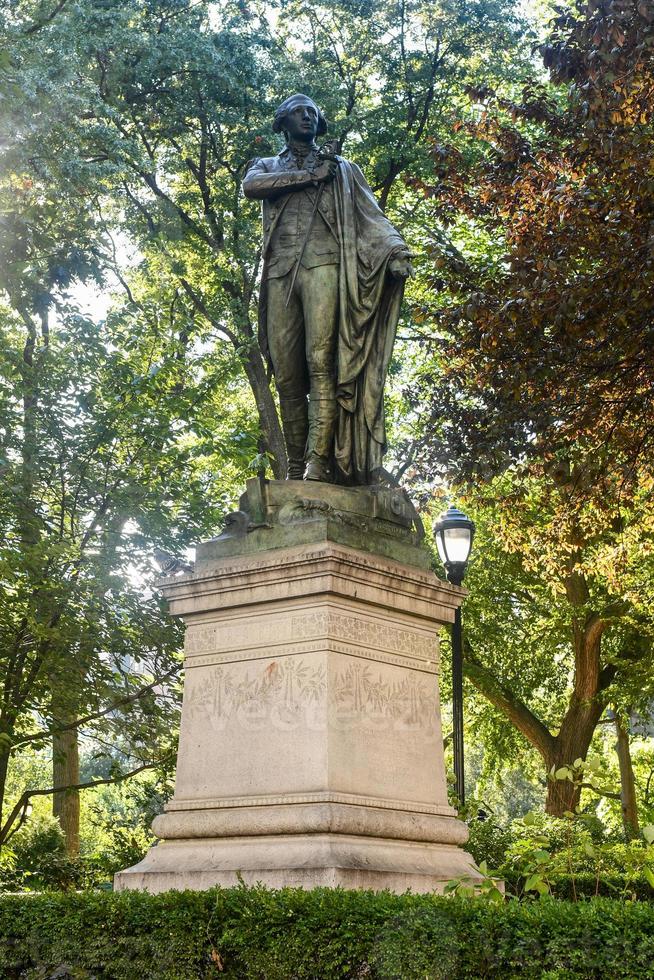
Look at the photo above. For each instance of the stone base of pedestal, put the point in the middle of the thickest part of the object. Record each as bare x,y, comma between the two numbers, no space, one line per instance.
310,747
300,861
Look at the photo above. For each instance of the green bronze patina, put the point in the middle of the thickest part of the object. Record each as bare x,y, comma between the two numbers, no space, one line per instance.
281,514
331,288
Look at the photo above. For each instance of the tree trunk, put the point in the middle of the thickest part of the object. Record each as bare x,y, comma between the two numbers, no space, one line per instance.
4,768
575,734
586,704
563,794
627,781
271,429
562,797
572,743
65,772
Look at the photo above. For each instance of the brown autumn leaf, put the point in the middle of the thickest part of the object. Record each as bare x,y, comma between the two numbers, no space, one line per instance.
217,959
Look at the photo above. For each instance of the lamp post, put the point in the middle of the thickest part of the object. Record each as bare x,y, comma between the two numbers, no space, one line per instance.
454,532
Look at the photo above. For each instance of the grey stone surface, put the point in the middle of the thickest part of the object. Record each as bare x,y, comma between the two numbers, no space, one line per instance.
300,861
311,750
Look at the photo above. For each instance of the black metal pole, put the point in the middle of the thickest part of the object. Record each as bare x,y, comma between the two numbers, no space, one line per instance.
457,705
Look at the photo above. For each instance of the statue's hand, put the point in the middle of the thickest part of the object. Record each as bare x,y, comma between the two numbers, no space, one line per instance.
325,171
400,267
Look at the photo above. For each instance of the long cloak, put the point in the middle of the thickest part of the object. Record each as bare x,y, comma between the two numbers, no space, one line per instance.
369,309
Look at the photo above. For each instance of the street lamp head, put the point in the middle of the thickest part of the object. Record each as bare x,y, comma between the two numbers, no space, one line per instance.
454,532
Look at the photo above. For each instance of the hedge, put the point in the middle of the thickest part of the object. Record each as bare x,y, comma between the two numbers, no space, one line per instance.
322,935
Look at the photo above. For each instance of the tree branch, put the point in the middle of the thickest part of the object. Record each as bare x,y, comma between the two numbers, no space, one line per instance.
99,714
6,833
46,20
200,305
210,240
515,710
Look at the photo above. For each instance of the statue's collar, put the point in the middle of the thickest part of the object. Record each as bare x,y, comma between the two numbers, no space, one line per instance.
296,154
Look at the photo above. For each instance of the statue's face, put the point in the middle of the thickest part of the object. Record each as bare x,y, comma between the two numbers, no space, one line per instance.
301,122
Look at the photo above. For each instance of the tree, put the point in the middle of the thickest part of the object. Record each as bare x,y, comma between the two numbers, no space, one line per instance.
70,618
100,462
391,75
550,649
137,133
538,366
564,198
174,98
628,797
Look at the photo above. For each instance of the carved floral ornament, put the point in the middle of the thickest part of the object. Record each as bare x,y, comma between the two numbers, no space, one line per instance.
290,689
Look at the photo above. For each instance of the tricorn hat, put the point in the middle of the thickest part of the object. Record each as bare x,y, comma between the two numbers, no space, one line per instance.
289,104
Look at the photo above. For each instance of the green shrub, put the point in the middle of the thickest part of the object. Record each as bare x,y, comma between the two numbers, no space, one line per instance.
489,841
584,885
569,857
320,935
36,858
548,855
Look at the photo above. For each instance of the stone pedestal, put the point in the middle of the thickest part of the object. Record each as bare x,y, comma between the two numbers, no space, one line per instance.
310,750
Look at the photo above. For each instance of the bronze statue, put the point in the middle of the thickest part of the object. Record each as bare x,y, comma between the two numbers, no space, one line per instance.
332,283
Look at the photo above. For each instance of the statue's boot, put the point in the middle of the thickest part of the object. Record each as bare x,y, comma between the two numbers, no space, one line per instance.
295,423
322,421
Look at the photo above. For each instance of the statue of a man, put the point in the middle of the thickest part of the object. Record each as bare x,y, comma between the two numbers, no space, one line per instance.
332,283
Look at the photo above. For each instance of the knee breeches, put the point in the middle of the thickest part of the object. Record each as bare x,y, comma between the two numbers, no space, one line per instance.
302,335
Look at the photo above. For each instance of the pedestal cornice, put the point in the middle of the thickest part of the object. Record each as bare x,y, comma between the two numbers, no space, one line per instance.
300,571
